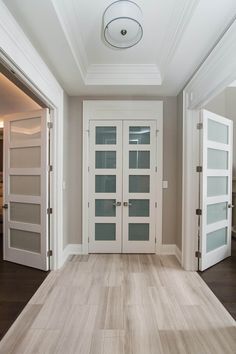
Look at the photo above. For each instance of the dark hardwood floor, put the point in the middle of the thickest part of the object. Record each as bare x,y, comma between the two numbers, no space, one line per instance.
221,279
17,285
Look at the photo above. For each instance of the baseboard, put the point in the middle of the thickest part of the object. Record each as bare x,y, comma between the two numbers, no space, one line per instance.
171,250
71,249
178,254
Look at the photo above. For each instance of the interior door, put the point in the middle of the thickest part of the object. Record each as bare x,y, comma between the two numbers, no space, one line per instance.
216,189
139,186
122,198
105,202
26,188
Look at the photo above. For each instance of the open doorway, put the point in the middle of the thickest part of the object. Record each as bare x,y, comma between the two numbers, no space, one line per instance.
221,214
18,282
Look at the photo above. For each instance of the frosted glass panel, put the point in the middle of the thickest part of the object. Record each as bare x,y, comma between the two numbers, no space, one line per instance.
25,129
105,207
139,159
25,240
25,185
139,135
218,132
217,186
105,159
105,135
138,207
217,212
217,159
139,184
29,157
216,239
138,232
105,184
25,212
105,232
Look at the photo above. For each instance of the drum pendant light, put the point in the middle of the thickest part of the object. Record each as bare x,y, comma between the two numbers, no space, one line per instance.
123,24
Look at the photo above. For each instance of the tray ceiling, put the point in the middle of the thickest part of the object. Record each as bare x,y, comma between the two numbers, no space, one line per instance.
178,35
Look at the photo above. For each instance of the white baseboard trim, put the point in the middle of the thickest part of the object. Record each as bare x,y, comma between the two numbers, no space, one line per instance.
71,249
178,254
171,250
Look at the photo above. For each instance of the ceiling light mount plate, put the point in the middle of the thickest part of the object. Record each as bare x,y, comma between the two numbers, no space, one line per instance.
123,24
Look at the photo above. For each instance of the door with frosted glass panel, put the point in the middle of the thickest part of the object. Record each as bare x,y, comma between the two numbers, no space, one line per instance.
216,189
25,189
105,185
139,187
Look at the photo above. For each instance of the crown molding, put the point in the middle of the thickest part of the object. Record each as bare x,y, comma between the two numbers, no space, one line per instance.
131,74
181,16
67,18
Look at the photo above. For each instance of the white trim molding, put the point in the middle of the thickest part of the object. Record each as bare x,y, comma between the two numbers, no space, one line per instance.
132,74
121,110
18,53
215,74
70,250
172,250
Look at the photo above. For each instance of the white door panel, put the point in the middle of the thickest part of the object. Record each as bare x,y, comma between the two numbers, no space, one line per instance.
216,189
25,188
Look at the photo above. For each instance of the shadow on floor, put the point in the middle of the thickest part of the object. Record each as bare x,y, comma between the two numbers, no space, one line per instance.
17,285
221,279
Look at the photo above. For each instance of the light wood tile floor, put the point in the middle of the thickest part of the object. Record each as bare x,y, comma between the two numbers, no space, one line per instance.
122,304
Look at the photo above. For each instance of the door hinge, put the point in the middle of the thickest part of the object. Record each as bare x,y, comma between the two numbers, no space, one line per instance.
156,168
199,126
88,169
155,240
155,204
49,253
50,168
49,210
199,168
198,211
50,125
88,240
88,204
198,254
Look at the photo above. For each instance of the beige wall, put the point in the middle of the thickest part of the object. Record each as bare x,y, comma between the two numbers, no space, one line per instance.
74,168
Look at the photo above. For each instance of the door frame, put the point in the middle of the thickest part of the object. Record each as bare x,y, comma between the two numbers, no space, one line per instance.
120,110
19,56
214,75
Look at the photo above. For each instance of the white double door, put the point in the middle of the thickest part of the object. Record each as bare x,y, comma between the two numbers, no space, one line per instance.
122,188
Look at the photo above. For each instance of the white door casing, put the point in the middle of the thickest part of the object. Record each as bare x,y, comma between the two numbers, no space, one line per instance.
26,188
123,111
216,189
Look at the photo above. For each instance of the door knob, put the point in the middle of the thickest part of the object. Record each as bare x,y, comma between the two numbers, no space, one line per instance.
117,204
127,204
5,206
230,206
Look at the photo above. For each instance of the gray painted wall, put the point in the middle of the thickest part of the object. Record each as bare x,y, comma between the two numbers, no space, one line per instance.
73,164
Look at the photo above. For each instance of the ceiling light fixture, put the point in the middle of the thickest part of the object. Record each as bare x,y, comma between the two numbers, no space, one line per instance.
123,24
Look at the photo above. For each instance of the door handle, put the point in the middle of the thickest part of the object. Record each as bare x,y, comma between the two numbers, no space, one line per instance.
127,204
117,204
230,206
5,206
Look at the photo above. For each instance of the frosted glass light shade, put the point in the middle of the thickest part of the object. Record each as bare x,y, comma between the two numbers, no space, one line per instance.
123,24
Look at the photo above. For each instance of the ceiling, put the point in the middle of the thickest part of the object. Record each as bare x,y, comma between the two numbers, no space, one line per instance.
178,34
12,99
